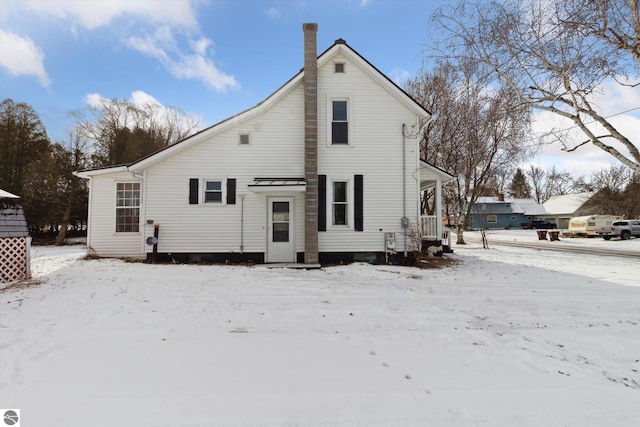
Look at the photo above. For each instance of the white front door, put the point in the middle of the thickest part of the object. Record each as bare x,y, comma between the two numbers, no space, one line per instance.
280,239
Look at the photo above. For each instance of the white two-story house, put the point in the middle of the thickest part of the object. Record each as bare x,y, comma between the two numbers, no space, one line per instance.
323,170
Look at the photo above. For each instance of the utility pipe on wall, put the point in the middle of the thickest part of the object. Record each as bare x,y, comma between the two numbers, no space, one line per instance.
241,223
404,221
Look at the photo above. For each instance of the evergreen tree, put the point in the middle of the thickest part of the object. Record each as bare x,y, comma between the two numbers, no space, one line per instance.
519,187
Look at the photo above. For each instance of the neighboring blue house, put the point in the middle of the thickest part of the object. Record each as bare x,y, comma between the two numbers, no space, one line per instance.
504,212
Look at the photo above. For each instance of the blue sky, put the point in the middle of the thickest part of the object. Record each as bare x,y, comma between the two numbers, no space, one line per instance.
215,58
209,58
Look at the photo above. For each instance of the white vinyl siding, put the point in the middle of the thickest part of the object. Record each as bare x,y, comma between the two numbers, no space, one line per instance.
210,227
375,151
102,237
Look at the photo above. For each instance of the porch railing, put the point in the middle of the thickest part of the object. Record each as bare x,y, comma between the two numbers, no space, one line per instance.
429,229
429,226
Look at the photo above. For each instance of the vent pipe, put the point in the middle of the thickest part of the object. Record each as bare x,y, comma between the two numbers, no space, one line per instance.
310,143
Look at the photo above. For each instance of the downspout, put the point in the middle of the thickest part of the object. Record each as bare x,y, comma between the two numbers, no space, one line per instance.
241,224
143,210
404,220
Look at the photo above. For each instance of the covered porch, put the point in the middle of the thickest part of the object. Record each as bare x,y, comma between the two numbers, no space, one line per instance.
430,224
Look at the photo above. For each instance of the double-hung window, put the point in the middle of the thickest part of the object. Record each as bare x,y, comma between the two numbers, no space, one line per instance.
213,191
127,207
340,207
340,122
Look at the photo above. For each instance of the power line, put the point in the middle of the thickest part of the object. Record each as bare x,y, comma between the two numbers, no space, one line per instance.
586,123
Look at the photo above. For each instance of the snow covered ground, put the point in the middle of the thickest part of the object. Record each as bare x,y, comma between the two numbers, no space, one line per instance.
504,337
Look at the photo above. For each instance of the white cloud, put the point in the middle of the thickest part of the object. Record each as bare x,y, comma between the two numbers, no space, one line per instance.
141,99
273,13
163,46
399,76
20,56
99,13
94,100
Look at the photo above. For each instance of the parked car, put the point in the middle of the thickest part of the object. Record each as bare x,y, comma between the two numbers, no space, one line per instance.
623,229
537,225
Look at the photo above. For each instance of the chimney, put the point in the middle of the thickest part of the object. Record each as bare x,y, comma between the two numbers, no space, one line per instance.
500,197
310,143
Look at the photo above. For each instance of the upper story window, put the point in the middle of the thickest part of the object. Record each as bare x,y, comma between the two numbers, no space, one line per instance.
127,207
340,123
213,191
243,139
338,67
340,206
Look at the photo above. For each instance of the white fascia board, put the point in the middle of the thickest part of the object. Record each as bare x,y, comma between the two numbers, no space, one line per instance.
103,171
444,176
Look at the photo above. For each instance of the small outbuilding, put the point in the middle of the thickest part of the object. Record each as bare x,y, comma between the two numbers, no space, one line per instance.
15,243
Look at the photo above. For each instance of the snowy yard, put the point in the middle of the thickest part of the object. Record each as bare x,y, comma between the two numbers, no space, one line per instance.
504,337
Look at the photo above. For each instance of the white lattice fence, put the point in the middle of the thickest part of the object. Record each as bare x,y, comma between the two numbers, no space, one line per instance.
14,258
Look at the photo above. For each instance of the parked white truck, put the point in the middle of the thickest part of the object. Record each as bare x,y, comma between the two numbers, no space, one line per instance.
591,225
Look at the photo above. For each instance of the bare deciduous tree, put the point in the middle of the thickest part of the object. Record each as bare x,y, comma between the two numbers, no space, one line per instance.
122,132
478,131
555,55
537,179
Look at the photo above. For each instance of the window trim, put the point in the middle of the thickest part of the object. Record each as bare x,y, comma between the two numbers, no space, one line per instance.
138,207
494,217
348,203
349,98
223,192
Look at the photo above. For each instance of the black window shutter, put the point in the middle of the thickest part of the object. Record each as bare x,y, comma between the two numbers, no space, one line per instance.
322,202
193,191
231,191
358,203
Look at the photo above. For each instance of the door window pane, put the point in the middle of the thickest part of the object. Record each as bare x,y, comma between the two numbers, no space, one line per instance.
280,221
280,231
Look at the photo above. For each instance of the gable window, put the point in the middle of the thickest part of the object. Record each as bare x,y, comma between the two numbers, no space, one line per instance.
243,139
213,191
339,67
339,123
127,207
340,206
492,219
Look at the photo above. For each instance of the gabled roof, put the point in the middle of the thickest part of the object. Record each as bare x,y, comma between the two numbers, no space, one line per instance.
429,170
523,206
339,47
566,204
530,207
12,220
